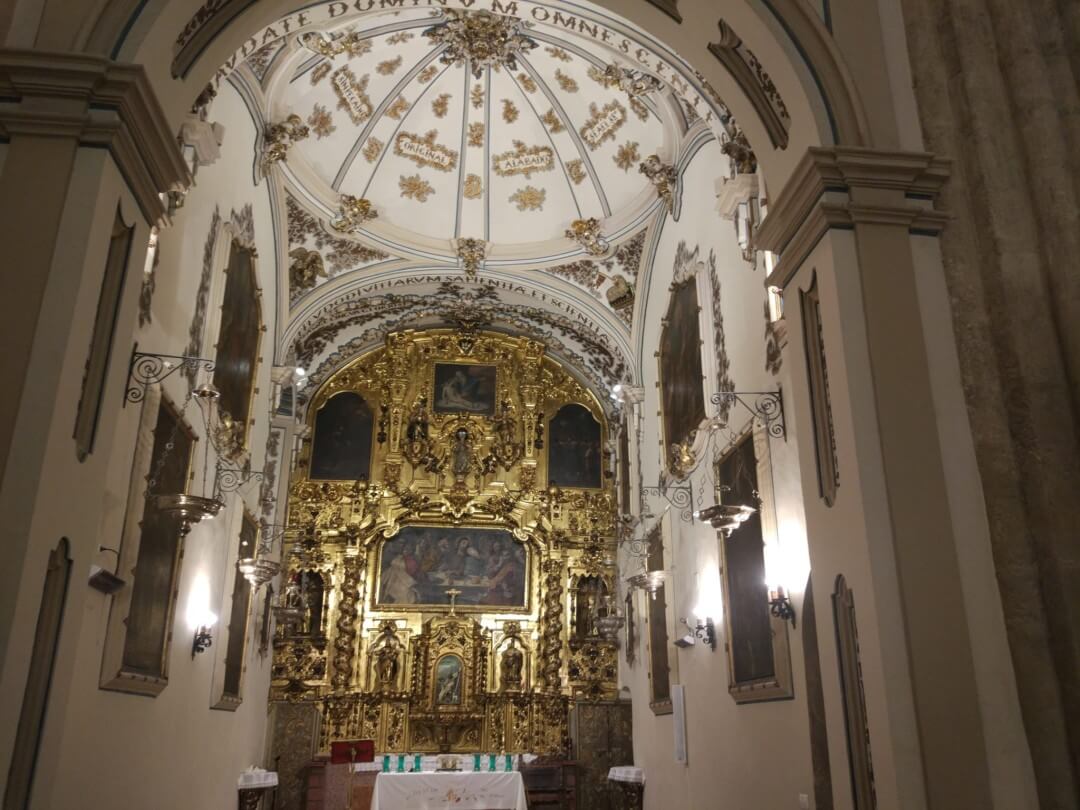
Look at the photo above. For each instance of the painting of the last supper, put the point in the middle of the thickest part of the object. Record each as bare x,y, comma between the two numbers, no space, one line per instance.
432,565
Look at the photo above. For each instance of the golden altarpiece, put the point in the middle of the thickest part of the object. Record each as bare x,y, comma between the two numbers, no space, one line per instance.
449,546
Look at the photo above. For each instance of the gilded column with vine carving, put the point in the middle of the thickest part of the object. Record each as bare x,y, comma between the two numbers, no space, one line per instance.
551,623
347,612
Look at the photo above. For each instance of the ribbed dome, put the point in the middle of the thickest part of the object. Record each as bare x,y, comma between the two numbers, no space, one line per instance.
468,125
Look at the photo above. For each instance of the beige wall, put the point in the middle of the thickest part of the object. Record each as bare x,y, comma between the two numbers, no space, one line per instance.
101,748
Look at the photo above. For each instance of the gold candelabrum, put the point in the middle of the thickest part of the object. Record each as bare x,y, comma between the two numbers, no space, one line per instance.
453,534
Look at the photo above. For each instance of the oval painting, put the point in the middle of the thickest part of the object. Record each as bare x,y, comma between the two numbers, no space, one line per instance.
448,681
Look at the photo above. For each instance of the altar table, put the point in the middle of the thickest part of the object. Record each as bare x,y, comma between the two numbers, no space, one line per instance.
457,790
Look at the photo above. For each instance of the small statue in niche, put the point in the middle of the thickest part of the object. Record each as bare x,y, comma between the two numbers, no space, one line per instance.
417,431
387,664
511,666
417,444
460,454
506,446
590,595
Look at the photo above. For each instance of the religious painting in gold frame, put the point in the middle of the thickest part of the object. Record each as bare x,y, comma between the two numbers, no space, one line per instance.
682,393
239,336
575,448
464,388
449,670
341,444
488,568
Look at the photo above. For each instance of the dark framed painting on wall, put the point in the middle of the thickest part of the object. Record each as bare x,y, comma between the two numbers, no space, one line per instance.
341,444
757,645
682,395
238,340
465,388
575,456
656,620
488,568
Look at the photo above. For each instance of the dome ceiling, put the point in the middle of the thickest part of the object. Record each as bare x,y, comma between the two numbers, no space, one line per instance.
468,126
452,135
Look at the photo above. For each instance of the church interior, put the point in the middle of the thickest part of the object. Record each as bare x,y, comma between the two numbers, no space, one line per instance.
595,405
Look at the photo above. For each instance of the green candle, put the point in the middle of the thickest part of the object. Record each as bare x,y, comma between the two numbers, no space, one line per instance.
476,762
491,762
416,763
508,766
401,763
386,763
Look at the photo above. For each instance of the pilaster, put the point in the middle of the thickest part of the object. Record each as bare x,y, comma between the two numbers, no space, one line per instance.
851,216
61,114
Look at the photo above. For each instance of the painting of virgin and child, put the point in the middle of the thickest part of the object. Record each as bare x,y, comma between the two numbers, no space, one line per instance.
488,567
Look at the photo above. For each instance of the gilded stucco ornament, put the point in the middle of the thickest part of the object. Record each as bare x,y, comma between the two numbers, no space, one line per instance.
663,177
481,39
472,253
353,44
681,457
352,213
634,83
743,159
278,138
586,232
306,267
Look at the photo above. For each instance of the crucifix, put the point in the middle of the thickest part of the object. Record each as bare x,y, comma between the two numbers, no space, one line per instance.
453,593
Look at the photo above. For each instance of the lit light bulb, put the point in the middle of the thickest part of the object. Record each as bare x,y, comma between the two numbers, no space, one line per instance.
198,605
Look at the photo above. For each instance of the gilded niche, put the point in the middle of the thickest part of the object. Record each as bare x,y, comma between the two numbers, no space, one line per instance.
437,521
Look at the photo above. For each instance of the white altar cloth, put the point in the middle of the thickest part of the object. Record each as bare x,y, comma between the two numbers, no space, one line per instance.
457,790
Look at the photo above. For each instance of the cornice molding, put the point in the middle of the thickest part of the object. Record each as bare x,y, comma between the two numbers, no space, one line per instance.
101,104
844,187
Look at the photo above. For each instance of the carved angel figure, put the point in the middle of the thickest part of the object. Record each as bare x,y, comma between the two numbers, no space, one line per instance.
306,268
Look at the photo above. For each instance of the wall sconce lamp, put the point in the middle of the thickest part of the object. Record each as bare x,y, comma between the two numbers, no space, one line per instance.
202,640
704,630
780,605
200,618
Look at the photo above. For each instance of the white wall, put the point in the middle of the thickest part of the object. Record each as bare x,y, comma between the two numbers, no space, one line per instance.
113,749
727,743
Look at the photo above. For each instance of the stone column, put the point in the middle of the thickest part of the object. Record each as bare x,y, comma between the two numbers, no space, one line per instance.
998,86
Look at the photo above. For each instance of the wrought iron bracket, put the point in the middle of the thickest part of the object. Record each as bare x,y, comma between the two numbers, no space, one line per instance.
680,496
230,479
146,368
768,406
